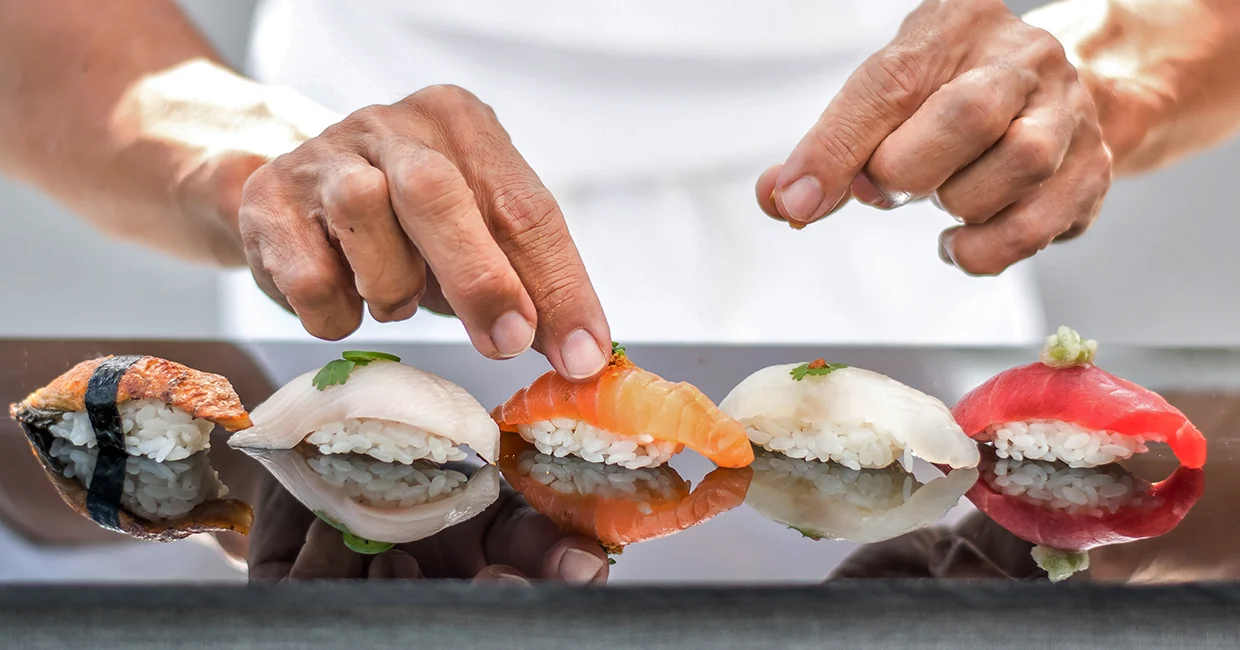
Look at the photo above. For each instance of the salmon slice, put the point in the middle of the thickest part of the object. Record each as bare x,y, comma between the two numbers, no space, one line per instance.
617,519
201,394
628,401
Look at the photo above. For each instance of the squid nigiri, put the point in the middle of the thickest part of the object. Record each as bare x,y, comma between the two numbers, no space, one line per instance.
830,501
370,403
378,504
1067,511
138,405
1065,408
614,505
628,417
855,417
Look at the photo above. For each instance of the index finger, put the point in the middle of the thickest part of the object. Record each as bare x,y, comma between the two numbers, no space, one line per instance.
880,96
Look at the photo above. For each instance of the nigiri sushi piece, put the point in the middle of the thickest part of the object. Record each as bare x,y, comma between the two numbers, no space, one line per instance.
1065,408
628,417
830,501
1067,511
377,406
854,417
378,502
140,497
615,505
141,405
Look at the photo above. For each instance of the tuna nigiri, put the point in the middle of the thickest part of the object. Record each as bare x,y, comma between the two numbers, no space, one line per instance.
1065,408
370,403
855,417
614,505
1067,511
628,417
830,501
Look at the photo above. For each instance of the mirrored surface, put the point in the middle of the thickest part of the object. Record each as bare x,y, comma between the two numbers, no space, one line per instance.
539,516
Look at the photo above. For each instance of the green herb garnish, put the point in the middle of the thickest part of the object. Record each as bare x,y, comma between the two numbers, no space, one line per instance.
353,542
807,533
337,372
611,561
617,350
817,368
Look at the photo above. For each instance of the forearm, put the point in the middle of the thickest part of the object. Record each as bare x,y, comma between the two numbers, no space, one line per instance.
124,113
1164,74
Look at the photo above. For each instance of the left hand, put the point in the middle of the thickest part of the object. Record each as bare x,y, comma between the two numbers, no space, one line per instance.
968,104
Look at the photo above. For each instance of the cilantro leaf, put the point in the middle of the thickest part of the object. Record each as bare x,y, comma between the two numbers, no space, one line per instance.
617,350
363,357
335,372
807,533
365,546
611,560
817,368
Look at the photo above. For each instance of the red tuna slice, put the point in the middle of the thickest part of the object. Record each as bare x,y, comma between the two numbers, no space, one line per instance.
1085,395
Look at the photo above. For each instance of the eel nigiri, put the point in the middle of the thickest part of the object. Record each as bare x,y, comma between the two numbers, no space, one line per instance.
1065,408
377,501
140,497
1066,511
830,501
855,417
370,403
141,405
628,417
615,505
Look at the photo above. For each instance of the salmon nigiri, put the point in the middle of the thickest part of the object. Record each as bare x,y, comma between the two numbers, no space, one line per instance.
628,417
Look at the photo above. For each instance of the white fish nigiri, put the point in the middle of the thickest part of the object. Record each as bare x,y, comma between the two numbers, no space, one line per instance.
851,416
385,409
830,501
339,497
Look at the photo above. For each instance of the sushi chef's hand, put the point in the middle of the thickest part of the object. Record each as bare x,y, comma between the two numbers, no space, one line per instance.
423,202
969,105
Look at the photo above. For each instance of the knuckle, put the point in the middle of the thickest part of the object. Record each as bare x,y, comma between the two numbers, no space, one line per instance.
840,142
481,282
524,212
360,186
368,119
431,180
559,286
1024,238
895,79
308,285
1044,46
1035,153
448,99
975,108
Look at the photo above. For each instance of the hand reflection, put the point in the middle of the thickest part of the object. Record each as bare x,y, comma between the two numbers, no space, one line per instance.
508,542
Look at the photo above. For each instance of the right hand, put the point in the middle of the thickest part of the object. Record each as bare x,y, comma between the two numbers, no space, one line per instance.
360,212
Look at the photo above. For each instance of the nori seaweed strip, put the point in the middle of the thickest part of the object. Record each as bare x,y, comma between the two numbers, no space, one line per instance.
107,484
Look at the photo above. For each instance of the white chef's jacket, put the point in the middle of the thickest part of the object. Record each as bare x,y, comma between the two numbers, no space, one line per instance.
650,121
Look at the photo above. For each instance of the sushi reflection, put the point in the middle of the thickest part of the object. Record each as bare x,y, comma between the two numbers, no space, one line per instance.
143,498
382,502
1067,511
830,501
612,504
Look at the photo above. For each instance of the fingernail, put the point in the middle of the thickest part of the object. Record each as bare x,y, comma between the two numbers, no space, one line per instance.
581,355
579,567
865,191
802,198
945,248
512,335
510,579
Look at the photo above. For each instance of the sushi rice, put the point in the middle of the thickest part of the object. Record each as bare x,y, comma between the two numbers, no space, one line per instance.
873,490
153,490
1077,491
1052,440
152,429
387,484
562,436
854,447
385,440
570,475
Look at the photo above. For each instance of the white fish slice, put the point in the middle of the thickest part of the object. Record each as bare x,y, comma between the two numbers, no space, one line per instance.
394,525
854,397
826,516
381,390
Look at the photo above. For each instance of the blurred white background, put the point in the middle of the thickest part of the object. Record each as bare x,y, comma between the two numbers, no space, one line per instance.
1158,267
